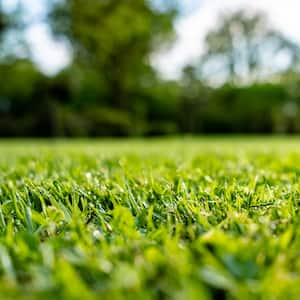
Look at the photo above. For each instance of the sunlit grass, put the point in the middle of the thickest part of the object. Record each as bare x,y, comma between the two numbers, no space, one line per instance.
193,218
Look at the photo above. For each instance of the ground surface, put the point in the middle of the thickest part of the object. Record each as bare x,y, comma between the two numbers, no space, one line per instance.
210,218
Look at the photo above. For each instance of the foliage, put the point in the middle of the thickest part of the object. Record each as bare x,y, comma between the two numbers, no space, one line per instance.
172,219
3,23
111,88
244,47
250,109
116,38
73,103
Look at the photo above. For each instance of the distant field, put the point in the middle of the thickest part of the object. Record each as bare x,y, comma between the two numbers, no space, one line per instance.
193,218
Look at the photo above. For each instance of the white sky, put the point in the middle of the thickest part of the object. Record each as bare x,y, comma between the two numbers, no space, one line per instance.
283,14
191,29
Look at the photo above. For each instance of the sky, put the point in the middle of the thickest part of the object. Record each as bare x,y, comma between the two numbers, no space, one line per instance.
197,18
192,28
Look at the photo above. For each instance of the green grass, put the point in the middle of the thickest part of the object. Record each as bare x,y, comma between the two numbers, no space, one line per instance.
206,218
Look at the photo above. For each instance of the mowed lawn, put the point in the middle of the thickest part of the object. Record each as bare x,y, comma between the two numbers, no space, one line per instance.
177,218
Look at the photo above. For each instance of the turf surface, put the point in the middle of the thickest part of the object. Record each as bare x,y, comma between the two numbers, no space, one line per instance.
206,218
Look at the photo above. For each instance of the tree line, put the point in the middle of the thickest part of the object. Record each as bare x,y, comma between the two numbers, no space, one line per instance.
238,85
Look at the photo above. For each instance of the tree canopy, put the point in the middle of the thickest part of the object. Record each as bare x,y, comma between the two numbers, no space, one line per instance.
116,38
246,81
244,47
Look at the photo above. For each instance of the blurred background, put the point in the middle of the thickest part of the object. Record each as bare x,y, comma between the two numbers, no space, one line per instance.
76,68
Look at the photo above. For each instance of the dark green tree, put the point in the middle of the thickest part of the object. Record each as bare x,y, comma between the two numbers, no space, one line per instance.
194,98
4,23
116,38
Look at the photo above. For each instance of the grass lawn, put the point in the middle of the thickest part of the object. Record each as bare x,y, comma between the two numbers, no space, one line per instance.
193,218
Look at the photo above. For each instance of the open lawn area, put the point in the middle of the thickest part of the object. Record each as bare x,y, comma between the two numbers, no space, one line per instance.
176,218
